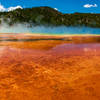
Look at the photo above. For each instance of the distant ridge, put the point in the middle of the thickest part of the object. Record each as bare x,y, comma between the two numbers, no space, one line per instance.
48,16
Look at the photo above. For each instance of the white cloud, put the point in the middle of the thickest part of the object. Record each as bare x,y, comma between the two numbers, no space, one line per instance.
14,8
90,5
55,8
2,8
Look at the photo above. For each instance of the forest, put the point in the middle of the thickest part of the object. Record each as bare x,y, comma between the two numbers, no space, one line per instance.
48,16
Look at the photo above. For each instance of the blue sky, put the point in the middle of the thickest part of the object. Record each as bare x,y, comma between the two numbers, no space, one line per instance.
65,6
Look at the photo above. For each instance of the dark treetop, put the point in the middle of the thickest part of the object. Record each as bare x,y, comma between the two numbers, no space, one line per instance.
49,17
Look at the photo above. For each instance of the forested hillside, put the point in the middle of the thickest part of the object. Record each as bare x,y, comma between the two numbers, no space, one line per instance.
49,16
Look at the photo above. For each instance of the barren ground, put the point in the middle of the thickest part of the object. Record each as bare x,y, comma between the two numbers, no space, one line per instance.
58,68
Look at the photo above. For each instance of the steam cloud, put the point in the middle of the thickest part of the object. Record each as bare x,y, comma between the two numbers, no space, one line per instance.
61,30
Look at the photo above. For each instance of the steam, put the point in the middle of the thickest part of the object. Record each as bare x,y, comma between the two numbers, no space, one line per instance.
16,28
51,30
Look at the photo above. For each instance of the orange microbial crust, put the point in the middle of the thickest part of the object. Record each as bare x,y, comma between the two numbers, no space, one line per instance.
49,68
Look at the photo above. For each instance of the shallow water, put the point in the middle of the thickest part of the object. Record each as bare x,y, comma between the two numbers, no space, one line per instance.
62,30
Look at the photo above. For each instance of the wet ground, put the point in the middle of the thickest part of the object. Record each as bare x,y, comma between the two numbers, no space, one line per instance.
58,68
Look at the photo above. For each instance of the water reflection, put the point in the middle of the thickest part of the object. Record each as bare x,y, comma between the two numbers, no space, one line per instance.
78,49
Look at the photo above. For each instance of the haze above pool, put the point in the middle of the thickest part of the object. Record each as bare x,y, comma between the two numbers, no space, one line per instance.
61,30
